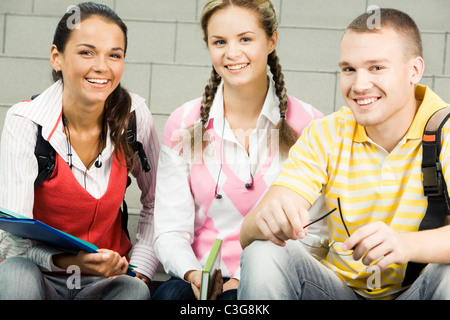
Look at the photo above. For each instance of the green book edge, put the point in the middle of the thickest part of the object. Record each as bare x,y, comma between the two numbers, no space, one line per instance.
208,272
212,255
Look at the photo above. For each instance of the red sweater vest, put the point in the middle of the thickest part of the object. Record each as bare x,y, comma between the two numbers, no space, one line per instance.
64,204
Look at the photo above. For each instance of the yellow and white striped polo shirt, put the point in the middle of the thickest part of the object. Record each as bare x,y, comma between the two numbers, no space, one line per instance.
335,156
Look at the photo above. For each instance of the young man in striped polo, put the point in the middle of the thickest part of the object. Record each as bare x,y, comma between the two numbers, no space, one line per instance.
366,156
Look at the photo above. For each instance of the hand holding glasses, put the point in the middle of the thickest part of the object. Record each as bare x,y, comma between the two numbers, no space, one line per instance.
333,245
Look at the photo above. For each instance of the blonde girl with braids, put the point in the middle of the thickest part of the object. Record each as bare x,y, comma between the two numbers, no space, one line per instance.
220,153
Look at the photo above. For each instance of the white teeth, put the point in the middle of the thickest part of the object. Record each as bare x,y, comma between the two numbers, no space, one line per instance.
97,81
237,67
366,101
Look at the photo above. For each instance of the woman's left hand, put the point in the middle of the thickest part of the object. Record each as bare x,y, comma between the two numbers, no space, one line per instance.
143,278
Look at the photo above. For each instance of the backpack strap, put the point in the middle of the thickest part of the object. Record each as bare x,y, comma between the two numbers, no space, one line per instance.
136,146
134,143
434,185
46,157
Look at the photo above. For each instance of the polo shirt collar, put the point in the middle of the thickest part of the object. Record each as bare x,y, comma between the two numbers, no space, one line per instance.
431,103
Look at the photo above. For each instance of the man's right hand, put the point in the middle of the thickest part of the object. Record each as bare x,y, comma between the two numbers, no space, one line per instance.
279,217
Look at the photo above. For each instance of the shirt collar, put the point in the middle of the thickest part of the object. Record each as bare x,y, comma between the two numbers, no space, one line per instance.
431,103
270,110
45,110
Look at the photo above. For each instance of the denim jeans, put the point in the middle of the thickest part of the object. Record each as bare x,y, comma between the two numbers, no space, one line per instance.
178,289
270,272
21,279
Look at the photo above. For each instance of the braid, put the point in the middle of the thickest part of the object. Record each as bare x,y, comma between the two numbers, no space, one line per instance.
209,95
278,78
198,130
287,135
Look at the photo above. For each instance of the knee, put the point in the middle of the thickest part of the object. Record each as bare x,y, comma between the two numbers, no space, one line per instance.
126,288
261,251
262,258
142,289
442,281
265,253
138,288
16,263
22,267
266,269
22,279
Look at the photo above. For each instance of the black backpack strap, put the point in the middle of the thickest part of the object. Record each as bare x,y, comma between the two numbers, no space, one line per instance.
434,184
46,157
138,148
135,144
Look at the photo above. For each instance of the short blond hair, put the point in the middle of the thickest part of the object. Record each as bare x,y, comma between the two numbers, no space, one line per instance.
397,20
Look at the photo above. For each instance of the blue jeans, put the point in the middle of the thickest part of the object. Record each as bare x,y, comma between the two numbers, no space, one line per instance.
178,289
270,272
22,279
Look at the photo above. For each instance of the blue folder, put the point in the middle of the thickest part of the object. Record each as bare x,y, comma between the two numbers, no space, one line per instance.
36,230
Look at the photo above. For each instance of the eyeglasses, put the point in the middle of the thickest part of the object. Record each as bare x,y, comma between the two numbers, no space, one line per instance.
330,212
334,245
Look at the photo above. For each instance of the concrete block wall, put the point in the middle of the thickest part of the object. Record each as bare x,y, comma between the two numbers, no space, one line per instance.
168,64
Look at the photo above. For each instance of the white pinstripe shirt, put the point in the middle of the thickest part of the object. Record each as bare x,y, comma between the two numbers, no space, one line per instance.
18,170
188,217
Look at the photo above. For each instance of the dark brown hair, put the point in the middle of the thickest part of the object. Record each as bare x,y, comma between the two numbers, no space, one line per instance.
267,17
118,104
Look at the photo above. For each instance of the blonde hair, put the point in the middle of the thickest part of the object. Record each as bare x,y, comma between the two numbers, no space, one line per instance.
268,19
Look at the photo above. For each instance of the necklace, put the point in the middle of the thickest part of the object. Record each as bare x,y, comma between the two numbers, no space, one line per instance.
97,159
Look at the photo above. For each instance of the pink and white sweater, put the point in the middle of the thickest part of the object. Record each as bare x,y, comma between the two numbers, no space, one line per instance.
188,216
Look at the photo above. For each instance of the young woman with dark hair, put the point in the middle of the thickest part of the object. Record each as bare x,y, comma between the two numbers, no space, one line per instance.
84,116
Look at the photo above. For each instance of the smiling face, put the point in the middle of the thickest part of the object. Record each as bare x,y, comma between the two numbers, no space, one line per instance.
92,62
239,46
378,79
